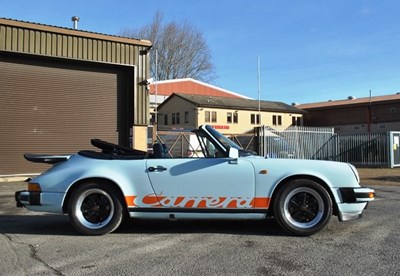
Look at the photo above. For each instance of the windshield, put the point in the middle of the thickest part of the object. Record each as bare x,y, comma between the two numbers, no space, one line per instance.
224,141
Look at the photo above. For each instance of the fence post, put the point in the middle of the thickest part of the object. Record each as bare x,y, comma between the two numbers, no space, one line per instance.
154,134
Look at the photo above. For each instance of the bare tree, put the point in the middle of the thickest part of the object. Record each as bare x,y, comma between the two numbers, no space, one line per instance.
182,51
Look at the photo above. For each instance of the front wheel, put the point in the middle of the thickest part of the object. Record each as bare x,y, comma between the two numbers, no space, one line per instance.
303,207
95,209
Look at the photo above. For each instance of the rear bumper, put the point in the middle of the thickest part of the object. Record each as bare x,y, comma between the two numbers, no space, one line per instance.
24,198
40,201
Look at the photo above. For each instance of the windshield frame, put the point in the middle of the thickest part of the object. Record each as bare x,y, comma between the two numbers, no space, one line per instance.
220,141
224,141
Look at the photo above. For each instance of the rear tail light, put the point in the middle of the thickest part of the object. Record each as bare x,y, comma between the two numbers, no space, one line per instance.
34,187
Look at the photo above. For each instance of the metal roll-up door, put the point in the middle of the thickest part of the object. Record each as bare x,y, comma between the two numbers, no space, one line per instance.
54,107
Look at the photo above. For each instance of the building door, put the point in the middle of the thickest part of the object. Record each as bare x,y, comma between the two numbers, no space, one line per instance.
56,106
394,149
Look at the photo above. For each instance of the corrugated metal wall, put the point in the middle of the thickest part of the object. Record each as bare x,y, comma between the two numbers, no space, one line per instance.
58,42
43,40
61,87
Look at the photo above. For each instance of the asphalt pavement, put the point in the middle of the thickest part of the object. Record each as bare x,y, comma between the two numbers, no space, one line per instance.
46,244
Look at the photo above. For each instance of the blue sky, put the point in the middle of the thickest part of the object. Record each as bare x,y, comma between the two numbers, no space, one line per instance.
310,51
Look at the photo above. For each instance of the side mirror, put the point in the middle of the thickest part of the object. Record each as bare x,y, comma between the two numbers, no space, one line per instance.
233,153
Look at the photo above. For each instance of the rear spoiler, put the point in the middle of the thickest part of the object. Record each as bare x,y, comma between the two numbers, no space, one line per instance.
46,158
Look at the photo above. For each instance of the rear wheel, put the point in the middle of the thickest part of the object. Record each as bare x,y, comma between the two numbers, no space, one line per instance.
95,209
303,207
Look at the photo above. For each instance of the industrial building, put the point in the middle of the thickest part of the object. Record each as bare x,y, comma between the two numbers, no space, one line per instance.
61,87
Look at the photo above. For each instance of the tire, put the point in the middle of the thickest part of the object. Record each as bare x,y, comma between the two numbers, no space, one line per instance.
302,207
95,209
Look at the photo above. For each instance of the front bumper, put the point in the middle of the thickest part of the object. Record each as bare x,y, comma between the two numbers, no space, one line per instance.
354,201
354,195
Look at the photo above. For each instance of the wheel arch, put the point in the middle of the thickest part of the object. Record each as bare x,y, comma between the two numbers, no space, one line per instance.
286,180
81,182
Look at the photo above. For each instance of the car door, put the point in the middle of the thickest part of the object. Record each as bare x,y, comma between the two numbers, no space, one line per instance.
202,182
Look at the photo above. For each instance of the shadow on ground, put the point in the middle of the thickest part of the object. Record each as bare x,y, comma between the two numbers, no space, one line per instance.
60,225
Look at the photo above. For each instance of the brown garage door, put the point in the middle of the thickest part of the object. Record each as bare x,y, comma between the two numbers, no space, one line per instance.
54,107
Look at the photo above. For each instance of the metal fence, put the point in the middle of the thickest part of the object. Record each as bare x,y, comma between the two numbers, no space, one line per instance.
297,142
368,150
179,143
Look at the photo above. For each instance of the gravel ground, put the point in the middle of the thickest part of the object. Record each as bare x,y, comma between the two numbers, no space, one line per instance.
379,176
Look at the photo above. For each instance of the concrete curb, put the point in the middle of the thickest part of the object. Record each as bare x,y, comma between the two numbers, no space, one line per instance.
13,179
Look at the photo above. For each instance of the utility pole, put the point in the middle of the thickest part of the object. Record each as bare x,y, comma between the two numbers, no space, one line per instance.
369,116
259,89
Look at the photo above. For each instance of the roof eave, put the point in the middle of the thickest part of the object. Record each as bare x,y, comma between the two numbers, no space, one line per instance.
69,31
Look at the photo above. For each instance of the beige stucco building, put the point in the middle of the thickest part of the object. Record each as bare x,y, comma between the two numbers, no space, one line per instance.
228,115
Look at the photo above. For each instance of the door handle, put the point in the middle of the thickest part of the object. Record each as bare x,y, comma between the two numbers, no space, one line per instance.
157,169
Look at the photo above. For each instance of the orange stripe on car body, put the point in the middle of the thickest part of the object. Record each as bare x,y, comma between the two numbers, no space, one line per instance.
153,200
130,201
261,202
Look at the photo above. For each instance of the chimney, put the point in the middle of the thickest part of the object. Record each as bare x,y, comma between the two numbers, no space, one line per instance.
75,19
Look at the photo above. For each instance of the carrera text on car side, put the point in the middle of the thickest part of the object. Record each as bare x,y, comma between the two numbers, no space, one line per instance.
98,189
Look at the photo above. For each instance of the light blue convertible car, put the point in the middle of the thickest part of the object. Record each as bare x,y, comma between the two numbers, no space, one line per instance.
98,189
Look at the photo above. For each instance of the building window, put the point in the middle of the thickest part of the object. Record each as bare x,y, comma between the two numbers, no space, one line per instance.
166,119
186,117
152,118
235,117
207,116
214,116
277,120
232,117
160,117
229,117
210,116
296,121
176,118
255,119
